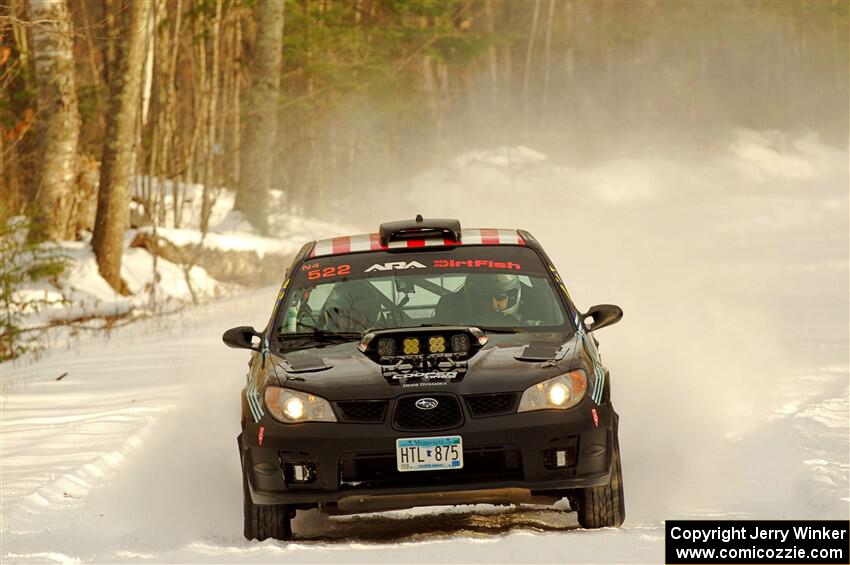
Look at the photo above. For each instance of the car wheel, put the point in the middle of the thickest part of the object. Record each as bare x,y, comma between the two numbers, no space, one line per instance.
604,506
263,521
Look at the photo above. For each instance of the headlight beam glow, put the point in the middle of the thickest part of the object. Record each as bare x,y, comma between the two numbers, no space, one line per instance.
557,393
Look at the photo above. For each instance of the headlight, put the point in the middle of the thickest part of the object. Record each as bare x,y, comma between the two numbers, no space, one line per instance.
560,393
292,406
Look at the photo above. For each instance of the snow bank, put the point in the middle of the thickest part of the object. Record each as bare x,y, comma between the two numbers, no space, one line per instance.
233,233
506,176
761,156
286,227
506,157
81,292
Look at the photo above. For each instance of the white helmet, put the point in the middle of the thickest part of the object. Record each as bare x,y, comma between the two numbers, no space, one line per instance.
500,292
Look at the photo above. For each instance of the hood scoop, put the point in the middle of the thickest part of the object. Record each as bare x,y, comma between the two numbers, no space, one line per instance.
543,351
303,363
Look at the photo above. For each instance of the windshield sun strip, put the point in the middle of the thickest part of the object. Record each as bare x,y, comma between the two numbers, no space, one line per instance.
531,256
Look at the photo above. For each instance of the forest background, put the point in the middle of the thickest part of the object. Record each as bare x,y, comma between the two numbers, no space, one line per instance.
111,110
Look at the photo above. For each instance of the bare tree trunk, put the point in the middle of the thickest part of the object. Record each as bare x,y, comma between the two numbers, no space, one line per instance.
58,118
547,56
492,55
528,59
236,134
169,46
97,77
116,172
171,158
19,193
260,117
158,45
505,57
569,54
444,102
198,142
224,177
111,11
211,117
147,65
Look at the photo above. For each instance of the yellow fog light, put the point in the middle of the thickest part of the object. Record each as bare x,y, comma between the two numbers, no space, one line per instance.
411,346
437,344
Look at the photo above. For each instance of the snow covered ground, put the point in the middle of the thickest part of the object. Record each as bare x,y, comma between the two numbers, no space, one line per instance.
81,294
730,372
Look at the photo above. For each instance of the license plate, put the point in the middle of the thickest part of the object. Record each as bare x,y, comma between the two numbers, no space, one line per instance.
429,453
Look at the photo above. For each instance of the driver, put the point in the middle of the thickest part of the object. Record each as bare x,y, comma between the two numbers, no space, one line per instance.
484,298
352,306
496,293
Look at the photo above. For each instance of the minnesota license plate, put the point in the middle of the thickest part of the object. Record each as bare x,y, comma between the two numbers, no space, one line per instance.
429,453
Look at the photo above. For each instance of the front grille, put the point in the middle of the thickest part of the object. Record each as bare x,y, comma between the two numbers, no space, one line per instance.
491,404
379,470
362,410
446,414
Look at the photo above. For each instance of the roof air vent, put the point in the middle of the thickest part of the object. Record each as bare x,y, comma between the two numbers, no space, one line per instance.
419,229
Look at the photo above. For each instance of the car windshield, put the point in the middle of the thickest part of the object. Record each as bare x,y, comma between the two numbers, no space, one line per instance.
498,288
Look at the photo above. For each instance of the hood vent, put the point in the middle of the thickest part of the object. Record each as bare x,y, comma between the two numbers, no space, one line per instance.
542,351
303,363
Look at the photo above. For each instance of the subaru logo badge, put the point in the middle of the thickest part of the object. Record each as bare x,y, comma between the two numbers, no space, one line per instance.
426,403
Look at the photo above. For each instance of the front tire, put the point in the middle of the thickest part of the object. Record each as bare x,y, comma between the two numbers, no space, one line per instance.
604,506
263,521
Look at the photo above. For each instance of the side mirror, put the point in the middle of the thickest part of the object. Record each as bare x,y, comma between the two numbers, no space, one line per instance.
241,338
602,315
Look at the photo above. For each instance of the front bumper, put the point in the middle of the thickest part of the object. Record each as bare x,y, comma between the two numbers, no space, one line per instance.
511,451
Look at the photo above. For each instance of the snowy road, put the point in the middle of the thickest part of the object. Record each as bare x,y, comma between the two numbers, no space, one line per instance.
730,373
132,456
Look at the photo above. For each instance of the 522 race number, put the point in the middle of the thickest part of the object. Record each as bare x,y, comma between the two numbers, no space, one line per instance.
328,272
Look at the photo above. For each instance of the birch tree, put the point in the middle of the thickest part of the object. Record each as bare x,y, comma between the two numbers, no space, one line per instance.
260,123
58,119
116,170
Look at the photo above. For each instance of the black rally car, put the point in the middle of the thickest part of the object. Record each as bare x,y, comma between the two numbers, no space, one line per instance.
421,365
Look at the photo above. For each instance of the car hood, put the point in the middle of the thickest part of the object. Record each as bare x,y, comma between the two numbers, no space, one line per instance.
509,362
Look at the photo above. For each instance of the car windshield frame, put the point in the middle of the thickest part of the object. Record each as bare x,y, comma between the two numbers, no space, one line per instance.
377,265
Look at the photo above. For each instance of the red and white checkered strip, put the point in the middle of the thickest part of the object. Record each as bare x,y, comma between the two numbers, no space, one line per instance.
372,242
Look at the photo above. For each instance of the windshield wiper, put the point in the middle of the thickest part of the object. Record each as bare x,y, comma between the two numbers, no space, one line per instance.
317,331
320,335
302,340
495,330
491,330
